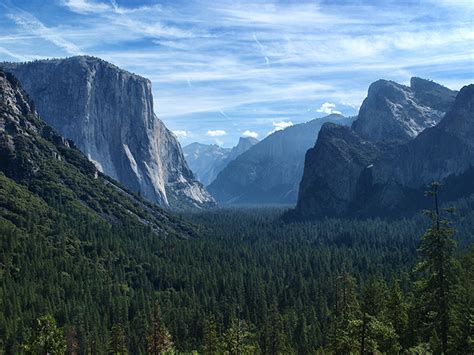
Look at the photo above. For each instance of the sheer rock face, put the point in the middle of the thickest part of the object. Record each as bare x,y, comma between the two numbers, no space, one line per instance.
382,168
270,171
327,186
207,160
108,113
437,153
399,113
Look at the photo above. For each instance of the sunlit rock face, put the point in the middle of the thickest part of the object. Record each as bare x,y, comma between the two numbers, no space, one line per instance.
108,113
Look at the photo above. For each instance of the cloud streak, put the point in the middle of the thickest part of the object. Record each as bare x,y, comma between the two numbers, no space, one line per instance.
244,65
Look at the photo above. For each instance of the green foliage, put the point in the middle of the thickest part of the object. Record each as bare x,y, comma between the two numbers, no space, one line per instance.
47,338
159,339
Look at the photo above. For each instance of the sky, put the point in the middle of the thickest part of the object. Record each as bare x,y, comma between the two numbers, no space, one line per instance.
224,69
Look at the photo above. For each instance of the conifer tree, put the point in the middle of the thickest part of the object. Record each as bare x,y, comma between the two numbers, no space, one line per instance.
346,311
118,340
437,265
159,339
211,343
47,339
397,310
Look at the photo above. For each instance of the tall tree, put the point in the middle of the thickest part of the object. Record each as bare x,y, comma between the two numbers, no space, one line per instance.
159,339
211,343
346,311
437,267
47,339
118,340
397,310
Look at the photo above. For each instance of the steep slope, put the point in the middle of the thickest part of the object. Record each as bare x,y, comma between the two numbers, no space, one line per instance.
387,177
208,160
270,171
108,113
399,113
45,167
327,186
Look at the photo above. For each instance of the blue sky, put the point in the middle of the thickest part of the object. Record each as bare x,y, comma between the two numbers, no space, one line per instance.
222,69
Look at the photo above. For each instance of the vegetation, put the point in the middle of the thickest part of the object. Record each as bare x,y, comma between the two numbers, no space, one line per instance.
247,284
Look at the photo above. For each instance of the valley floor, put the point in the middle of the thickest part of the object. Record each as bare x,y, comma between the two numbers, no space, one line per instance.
248,283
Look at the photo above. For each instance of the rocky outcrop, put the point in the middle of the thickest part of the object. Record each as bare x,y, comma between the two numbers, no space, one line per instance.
270,171
207,160
108,113
399,113
37,163
349,174
327,186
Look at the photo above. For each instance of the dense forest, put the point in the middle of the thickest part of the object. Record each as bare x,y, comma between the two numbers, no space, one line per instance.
247,283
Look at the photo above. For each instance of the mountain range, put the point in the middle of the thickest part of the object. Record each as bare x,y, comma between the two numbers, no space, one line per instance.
109,114
403,139
270,171
208,160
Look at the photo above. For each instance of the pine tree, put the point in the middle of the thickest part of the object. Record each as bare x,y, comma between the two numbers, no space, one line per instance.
210,341
47,339
346,310
238,339
159,339
273,332
397,310
437,266
118,340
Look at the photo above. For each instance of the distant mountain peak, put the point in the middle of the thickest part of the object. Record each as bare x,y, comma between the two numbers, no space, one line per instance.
394,111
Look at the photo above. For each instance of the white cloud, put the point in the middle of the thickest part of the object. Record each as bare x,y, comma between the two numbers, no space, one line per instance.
216,133
280,126
35,27
84,6
328,108
180,134
248,133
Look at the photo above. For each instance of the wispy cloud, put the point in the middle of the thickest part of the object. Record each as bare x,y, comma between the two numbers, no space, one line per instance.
35,27
216,133
248,64
251,134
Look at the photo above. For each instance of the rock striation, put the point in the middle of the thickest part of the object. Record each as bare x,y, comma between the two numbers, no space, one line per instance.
108,113
402,140
38,164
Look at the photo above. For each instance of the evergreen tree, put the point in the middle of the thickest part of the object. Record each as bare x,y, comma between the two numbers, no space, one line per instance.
47,339
118,340
237,338
346,311
273,342
397,310
437,267
211,343
159,339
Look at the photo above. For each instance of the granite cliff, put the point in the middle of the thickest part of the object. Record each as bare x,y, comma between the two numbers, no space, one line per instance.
403,139
108,113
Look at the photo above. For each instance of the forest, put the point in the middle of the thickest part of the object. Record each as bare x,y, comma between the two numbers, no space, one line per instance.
246,283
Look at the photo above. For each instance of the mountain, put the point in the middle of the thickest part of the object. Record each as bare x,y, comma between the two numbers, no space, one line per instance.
351,172
43,173
108,113
207,160
399,112
270,171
